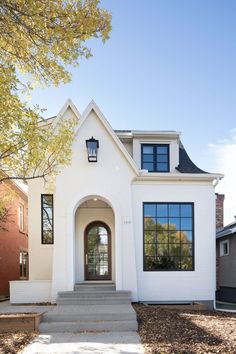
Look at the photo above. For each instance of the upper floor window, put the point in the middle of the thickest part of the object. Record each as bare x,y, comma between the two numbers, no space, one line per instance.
47,218
155,157
168,236
21,217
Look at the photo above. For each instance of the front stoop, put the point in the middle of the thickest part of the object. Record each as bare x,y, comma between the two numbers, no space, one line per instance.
91,307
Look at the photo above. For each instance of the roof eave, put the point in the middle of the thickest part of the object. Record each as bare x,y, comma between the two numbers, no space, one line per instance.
141,134
178,176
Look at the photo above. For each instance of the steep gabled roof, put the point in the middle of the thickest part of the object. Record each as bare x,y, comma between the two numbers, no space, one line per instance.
186,166
68,104
92,106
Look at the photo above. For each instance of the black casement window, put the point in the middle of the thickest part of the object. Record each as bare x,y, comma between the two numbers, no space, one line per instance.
155,157
23,264
47,218
168,236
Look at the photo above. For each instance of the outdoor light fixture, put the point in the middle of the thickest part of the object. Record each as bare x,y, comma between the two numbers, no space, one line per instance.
92,147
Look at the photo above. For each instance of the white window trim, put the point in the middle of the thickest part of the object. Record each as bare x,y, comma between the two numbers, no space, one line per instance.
222,243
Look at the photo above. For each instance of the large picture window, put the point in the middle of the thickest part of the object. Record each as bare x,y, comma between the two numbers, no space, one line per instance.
155,157
168,236
47,218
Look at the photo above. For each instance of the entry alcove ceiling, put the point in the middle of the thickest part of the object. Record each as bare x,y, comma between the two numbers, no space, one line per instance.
94,204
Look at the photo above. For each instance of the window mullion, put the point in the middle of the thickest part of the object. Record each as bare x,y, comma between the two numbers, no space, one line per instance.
155,157
174,255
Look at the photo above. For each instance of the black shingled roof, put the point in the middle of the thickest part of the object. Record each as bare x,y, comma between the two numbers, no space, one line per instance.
228,230
186,165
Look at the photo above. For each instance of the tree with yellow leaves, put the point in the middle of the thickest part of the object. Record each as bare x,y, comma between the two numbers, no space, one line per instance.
39,39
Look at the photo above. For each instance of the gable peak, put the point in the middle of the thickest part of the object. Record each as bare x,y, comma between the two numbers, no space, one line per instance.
67,105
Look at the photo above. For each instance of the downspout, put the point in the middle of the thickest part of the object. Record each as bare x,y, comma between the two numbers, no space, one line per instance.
216,181
214,305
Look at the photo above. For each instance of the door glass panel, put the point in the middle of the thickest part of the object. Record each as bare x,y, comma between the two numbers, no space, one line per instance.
97,252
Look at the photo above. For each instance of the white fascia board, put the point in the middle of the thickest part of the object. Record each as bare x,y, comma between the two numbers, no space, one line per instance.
126,136
93,106
156,134
143,176
141,134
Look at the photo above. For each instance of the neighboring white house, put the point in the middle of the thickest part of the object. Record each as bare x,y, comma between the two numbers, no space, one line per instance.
141,216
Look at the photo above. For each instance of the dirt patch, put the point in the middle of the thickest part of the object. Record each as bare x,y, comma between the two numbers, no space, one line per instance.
176,331
12,343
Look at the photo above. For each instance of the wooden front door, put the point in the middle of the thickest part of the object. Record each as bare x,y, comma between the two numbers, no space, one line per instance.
97,251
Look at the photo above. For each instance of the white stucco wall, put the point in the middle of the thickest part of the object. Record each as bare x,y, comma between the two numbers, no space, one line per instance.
108,180
111,180
129,147
178,285
33,292
40,256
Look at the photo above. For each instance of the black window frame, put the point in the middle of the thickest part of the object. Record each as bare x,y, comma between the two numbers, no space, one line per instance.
193,238
24,255
155,154
42,229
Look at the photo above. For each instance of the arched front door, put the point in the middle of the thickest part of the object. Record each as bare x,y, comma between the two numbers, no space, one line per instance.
97,251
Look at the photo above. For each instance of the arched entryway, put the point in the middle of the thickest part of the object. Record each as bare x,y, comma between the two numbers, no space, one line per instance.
95,241
97,251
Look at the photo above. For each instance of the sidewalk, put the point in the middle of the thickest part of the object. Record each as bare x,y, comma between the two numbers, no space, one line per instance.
86,343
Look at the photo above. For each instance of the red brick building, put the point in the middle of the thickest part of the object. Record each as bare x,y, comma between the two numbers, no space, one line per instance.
13,237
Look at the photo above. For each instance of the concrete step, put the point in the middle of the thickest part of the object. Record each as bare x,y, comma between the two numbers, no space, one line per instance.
76,315
94,287
79,326
90,317
92,301
94,294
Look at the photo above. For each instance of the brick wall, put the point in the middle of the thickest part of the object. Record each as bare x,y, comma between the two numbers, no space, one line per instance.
219,210
12,240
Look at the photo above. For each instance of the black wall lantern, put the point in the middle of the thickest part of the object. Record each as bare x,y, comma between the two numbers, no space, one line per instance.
92,147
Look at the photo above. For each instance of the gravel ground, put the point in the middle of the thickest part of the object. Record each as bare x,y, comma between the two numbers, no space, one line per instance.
12,343
176,331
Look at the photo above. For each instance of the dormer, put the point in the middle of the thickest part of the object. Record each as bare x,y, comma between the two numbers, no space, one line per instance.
158,152
153,151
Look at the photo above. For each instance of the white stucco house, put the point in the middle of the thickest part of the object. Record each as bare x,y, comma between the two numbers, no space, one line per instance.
136,212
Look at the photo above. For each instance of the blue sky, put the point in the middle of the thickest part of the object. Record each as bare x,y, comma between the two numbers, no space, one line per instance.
168,65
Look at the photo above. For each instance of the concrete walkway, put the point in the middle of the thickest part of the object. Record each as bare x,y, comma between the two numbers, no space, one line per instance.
86,343
76,343
6,307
